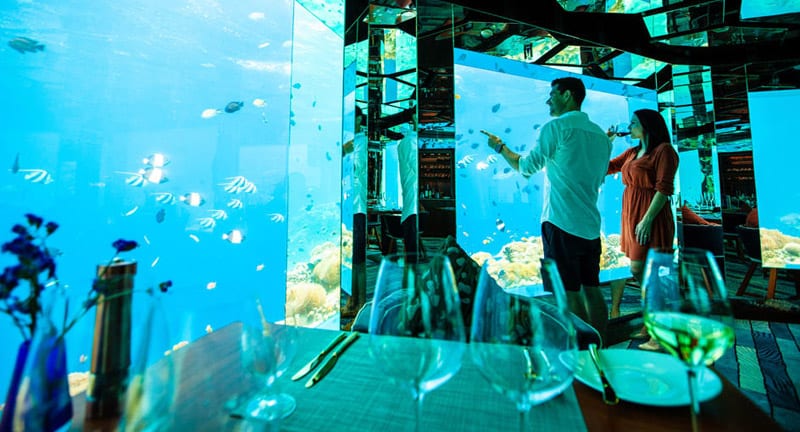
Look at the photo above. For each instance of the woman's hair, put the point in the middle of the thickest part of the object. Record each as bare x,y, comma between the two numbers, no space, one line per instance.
654,128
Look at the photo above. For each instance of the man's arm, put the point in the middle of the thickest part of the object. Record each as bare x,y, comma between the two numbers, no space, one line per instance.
496,144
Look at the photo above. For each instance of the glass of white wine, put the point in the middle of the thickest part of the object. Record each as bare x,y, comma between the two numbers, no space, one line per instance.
686,310
416,333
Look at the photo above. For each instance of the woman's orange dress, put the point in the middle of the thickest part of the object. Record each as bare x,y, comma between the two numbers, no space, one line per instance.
642,177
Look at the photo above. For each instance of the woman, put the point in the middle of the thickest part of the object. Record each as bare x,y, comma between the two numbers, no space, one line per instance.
648,173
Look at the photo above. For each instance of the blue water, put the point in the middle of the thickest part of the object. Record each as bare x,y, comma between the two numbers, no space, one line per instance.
496,205
774,161
119,82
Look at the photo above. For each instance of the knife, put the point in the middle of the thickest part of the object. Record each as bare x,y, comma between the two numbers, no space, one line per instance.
331,362
318,358
609,395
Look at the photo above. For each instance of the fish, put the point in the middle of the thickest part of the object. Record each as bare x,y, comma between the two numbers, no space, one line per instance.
791,219
260,103
235,203
207,222
165,198
297,85
193,199
219,214
155,261
195,238
256,16
211,285
15,166
232,107
506,173
132,211
508,130
276,217
465,161
260,267
209,329
234,236
154,175
263,45
500,224
496,108
480,166
209,113
160,215
37,175
491,159
23,44
156,160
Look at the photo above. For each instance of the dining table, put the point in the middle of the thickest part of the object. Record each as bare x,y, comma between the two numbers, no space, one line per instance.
211,382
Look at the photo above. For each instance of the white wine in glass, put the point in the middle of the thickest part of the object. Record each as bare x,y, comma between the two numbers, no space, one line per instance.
525,347
417,335
686,310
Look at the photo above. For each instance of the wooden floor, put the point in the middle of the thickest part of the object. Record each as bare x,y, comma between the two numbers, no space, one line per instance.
764,363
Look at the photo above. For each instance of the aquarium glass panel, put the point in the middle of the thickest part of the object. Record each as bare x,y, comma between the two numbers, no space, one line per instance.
498,210
772,119
157,121
315,162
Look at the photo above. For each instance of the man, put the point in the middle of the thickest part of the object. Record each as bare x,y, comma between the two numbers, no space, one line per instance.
574,152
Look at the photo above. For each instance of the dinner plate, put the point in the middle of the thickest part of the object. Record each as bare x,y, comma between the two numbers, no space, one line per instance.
647,378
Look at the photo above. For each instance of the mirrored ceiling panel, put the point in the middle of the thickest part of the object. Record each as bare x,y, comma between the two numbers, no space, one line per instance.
683,18
329,12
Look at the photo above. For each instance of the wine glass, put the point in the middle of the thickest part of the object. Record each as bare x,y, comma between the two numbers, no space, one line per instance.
417,335
686,310
525,347
152,386
267,351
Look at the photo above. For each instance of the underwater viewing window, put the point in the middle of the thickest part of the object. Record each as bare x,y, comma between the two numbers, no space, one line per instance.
497,210
775,156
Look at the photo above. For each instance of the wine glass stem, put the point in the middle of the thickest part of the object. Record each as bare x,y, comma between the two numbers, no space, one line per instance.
418,397
523,409
694,401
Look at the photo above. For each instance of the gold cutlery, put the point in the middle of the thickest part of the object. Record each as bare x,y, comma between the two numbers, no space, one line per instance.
318,358
331,362
609,395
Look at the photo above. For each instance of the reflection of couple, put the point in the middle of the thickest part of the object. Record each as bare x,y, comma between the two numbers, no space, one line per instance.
358,148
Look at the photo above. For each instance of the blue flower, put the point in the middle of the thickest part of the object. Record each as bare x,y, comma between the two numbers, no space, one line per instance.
122,245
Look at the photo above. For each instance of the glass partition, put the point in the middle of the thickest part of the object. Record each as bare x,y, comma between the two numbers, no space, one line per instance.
166,123
775,165
315,163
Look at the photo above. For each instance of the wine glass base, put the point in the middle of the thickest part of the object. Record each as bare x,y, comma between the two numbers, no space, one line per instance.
270,407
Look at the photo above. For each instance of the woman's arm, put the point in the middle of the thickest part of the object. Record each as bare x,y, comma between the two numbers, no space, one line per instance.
644,227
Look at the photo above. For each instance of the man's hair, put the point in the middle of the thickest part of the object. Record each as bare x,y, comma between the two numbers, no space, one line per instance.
574,85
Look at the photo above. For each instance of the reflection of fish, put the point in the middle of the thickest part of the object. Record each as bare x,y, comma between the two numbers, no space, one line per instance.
276,217
791,219
235,236
209,113
37,175
207,222
235,203
165,198
15,165
193,199
156,160
23,45
232,107
161,215
219,214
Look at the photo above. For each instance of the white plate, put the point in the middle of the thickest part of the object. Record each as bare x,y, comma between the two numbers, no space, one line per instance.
647,378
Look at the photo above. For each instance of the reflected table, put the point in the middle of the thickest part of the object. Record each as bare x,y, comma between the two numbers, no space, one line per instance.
356,396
